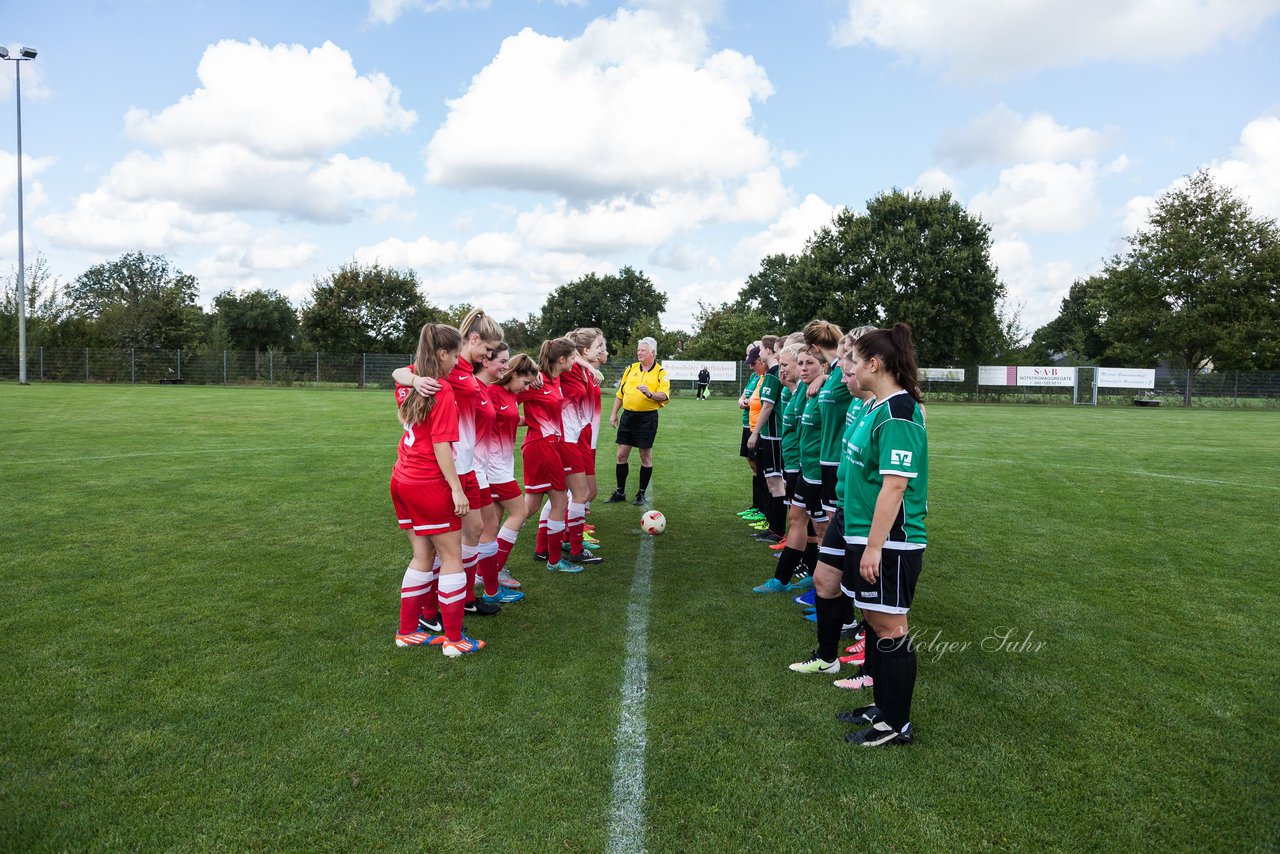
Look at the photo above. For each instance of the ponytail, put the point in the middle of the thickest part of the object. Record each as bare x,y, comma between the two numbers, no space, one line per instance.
897,352
415,408
478,323
821,334
552,351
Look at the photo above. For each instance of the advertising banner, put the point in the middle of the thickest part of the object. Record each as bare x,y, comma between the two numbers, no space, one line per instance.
686,371
1023,376
1125,378
943,375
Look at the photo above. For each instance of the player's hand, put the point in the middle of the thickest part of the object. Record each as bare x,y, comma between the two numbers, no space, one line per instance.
426,386
869,566
751,442
461,506
599,375
537,380
742,403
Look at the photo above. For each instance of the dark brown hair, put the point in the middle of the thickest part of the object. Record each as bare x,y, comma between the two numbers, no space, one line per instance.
415,408
896,351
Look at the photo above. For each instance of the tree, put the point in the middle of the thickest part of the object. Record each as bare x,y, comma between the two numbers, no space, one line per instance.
611,303
766,289
1076,333
724,331
51,318
139,301
259,320
1198,285
523,336
372,309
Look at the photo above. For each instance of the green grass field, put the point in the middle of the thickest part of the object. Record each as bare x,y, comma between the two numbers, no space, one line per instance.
200,587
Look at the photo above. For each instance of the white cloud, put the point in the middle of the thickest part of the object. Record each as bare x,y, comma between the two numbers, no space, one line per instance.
272,252
34,196
1253,170
1001,136
1039,288
423,253
999,38
633,105
787,235
101,221
282,101
386,11
1054,198
933,182
682,302
34,85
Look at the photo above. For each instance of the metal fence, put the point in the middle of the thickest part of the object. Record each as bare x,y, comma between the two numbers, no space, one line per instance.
1240,389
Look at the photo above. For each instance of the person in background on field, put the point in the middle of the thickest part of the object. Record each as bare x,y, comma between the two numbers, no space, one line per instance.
704,380
504,378
544,465
480,335
642,391
885,501
430,500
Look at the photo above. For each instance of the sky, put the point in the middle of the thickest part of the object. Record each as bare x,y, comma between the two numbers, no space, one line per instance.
501,148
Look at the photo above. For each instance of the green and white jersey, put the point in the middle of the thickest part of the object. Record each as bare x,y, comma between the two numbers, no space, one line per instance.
834,400
851,418
771,392
747,392
888,439
810,436
792,403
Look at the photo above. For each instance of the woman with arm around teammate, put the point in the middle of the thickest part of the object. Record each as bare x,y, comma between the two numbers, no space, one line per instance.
544,467
504,378
885,500
430,501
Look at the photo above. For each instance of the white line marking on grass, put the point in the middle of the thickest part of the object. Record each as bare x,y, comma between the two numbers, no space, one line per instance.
626,824
1111,469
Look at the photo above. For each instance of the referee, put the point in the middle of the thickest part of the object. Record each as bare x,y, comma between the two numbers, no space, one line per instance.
642,391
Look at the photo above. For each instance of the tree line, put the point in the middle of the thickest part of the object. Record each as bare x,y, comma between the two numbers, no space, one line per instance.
1197,286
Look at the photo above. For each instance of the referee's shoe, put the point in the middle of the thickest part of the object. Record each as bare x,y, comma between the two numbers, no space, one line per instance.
618,497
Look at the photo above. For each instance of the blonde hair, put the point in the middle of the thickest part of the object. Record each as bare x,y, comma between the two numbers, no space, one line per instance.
583,338
434,337
822,334
855,333
793,350
552,351
478,323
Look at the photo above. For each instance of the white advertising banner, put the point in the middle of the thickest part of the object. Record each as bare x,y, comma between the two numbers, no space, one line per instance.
1023,376
1125,378
943,375
686,371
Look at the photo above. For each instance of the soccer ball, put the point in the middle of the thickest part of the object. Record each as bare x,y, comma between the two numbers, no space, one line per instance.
653,522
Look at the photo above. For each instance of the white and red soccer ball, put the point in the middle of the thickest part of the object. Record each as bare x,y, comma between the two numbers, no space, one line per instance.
653,522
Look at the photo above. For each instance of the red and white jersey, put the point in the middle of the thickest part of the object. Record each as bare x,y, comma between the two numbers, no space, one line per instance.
416,456
468,391
594,393
498,451
484,429
575,385
542,411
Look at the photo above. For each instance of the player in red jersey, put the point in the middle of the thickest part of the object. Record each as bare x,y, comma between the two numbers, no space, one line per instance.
505,377
480,334
430,500
577,384
594,354
544,466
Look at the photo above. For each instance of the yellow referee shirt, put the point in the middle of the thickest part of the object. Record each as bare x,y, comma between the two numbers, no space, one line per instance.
635,375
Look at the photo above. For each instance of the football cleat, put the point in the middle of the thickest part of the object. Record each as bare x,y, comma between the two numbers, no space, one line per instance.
864,716
814,664
481,608
805,598
856,654
617,497
880,734
413,639
506,579
504,596
585,559
433,625
564,566
856,682
463,646
773,585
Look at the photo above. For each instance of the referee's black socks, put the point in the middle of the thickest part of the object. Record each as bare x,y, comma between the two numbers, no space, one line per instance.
829,613
895,681
622,470
646,472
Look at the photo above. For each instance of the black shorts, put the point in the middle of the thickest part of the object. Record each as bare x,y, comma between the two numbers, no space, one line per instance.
637,429
768,456
829,502
832,548
743,450
809,496
790,478
894,589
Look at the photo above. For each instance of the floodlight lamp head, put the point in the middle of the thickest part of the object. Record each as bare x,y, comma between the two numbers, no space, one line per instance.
28,53
4,52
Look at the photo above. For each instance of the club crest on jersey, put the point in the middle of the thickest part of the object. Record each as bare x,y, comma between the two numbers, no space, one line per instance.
900,458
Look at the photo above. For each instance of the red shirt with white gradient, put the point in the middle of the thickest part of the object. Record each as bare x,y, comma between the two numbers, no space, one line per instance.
467,389
484,428
499,450
416,455
542,411
593,402
575,385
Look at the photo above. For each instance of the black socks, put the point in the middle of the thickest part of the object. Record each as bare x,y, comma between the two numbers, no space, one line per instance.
895,678
646,472
787,564
622,470
829,612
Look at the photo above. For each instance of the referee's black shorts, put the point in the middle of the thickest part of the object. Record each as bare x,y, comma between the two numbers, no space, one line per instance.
637,429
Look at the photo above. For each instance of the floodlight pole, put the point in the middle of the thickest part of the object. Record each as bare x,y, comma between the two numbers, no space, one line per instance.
24,55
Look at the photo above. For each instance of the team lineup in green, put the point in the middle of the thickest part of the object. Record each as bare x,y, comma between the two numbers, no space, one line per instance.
202,587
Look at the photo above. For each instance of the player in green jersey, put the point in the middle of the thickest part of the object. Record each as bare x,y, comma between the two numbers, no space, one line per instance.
885,502
753,513
764,443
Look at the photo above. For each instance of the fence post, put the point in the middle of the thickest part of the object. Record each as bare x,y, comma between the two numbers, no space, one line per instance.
179,363
317,367
224,367
1186,395
86,364
133,367
41,364
1235,394
362,368
271,367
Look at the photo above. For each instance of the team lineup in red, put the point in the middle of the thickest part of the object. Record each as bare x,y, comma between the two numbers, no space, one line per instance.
453,485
